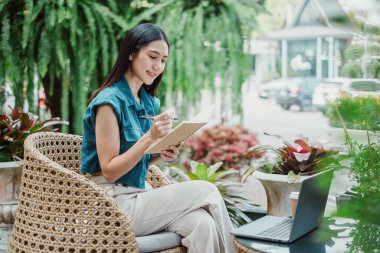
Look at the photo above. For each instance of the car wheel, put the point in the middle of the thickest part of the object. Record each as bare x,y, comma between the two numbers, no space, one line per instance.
285,107
306,105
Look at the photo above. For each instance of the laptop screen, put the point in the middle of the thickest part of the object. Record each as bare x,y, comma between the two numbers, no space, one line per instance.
311,203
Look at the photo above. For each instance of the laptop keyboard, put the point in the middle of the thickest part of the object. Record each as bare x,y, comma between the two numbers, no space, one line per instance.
280,231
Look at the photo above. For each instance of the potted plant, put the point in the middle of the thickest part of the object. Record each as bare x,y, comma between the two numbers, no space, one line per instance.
282,170
14,129
229,189
364,165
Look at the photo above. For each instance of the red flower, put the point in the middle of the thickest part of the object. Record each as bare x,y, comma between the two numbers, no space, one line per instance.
4,118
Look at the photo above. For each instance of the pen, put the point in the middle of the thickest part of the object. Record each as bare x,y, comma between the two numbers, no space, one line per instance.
152,117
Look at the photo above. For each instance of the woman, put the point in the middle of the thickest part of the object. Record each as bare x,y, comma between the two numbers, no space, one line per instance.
116,136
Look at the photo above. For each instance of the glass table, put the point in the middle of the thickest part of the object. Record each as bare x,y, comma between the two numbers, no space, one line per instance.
334,235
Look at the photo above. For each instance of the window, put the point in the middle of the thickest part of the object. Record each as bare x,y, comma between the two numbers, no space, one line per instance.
365,86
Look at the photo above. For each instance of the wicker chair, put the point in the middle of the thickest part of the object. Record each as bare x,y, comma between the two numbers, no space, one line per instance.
243,249
60,210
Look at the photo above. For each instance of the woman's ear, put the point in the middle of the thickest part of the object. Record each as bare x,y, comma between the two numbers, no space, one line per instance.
130,57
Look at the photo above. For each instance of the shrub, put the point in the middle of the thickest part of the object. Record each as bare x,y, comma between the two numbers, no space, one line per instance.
365,165
222,144
357,113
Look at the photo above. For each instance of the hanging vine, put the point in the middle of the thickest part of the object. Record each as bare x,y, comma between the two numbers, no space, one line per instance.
69,44
207,40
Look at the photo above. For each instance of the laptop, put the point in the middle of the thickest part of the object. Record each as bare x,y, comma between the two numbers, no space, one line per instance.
309,213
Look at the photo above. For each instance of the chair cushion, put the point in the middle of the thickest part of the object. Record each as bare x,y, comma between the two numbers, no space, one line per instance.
158,241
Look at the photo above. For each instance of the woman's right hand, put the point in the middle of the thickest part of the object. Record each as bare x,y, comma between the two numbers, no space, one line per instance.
162,125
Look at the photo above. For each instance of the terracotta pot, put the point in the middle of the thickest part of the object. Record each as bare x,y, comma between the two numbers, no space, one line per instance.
278,191
10,181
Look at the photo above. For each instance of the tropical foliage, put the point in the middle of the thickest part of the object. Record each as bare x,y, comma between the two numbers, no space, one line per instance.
294,159
70,46
228,189
14,129
207,40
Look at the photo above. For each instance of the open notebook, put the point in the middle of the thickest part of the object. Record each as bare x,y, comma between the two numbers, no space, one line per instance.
180,132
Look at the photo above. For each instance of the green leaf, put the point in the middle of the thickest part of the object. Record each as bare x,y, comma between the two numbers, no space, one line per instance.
105,11
5,35
247,173
223,174
147,14
192,176
36,10
4,156
201,171
292,177
193,166
214,167
44,53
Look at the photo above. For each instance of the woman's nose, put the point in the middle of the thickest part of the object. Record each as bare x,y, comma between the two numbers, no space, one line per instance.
158,67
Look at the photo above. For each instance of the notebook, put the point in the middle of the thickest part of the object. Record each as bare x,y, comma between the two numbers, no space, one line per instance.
309,213
181,132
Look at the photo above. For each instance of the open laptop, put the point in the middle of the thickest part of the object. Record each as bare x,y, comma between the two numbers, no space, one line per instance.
309,213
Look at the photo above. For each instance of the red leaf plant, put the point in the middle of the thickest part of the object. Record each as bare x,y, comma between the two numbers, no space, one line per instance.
222,144
299,158
16,127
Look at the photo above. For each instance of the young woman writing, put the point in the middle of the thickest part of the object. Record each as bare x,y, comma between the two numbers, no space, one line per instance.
114,140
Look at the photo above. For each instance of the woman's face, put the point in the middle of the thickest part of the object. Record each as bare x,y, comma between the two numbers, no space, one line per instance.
150,61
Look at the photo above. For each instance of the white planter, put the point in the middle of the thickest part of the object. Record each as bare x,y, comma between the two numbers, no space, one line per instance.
10,181
278,190
336,136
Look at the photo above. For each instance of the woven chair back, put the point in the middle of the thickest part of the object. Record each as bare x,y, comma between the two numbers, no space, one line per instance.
59,209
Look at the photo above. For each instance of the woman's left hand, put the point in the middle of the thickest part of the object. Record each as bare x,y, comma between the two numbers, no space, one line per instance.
171,153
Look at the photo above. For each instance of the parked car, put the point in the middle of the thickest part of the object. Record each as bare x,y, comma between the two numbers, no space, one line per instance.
361,87
269,89
298,91
326,92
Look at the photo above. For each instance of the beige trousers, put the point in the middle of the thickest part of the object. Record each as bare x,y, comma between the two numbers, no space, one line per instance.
195,210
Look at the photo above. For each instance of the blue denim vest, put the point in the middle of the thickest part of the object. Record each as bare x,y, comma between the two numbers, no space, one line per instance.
132,128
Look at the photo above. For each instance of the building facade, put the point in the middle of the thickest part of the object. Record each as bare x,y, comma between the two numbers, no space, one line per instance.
311,44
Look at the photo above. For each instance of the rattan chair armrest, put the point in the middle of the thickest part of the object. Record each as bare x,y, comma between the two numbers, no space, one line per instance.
156,177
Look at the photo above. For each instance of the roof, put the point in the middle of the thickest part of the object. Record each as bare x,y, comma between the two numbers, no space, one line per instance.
326,18
330,10
308,32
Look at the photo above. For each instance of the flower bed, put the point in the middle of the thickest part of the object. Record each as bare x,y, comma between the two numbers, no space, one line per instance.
222,144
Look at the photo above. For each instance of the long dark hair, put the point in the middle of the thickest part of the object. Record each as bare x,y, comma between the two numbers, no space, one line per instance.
136,38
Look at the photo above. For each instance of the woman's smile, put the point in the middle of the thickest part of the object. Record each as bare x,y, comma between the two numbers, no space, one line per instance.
151,74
